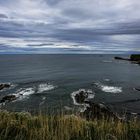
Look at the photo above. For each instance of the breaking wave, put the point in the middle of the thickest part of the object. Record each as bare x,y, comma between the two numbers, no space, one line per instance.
109,89
45,87
24,93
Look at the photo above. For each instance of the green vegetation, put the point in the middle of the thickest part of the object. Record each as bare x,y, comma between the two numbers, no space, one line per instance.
23,126
135,57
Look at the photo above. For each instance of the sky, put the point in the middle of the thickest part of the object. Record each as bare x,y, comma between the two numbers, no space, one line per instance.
69,26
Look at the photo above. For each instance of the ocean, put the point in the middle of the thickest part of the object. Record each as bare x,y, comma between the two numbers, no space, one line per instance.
50,81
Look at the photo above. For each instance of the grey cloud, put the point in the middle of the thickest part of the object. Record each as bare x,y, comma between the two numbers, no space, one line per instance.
100,25
3,16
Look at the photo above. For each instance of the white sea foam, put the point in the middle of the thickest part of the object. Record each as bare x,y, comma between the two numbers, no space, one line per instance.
84,108
107,80
45,87
24,93
89,92
109,89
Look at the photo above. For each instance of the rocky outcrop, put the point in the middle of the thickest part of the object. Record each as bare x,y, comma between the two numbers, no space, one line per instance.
138,89
8,98
99,111
121,58
134,58
3,86
93,110
80,98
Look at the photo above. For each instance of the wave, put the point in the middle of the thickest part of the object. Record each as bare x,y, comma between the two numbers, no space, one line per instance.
107,61
89,94
45,87
24,93
109,89
107,80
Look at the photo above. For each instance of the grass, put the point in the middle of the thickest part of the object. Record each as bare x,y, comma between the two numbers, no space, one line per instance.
23,126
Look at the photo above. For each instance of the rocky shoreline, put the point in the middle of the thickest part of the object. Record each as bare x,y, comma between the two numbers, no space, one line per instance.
82,98
4,86
134,58
93,110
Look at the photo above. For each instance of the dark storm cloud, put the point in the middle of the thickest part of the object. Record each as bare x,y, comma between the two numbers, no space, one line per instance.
70,26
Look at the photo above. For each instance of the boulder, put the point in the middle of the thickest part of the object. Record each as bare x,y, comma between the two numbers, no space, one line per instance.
98,111
93,110
80,98
8,98
2,86
121,58
138,89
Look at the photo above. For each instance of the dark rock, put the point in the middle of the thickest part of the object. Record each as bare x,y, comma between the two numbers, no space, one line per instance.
99,111
134,58
138,89
8,98
93,110
2,86
120,58
80,98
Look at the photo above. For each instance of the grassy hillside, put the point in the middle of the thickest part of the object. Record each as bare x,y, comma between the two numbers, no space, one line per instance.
23,126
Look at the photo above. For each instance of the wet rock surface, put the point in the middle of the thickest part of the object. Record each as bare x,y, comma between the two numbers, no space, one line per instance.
121,58
80,98
93,110
138,89
99,111
8,98
3,86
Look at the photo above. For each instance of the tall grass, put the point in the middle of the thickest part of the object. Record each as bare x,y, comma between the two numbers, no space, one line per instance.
23,126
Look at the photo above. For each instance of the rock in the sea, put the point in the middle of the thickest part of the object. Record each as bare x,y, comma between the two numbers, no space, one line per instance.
138,89
93,110
134,58
8,98
2,86
80,98
98,111
121,58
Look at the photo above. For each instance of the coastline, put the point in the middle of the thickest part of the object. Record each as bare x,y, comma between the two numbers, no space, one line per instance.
95,121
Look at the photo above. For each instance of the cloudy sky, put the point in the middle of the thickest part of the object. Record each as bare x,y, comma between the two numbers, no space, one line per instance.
69,26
